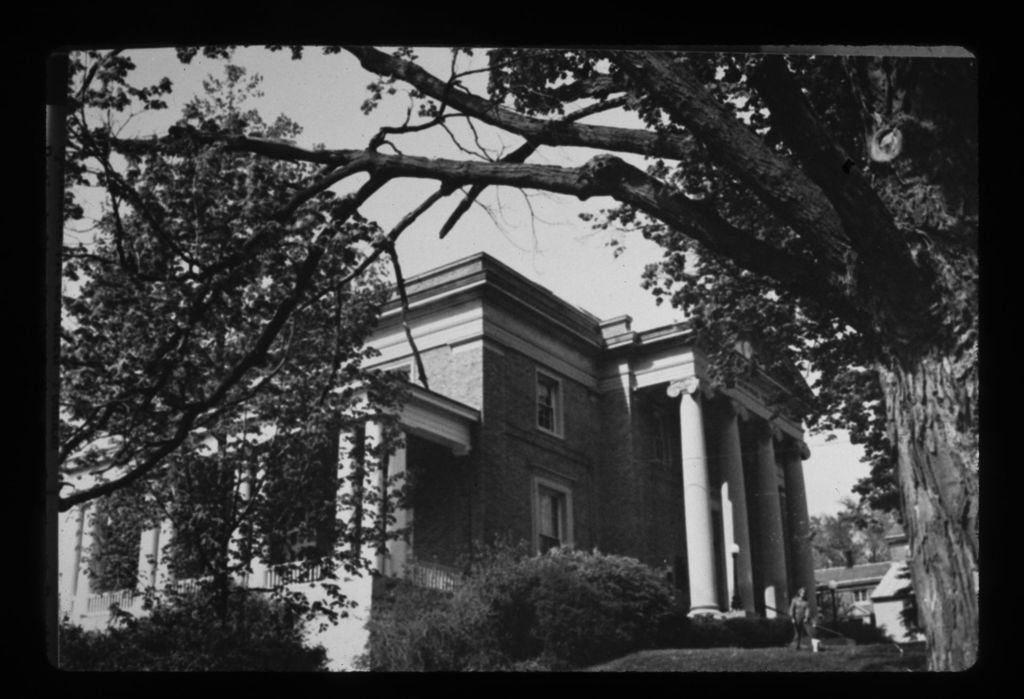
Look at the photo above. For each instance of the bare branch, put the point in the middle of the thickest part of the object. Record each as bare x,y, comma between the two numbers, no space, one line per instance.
602,176
404,297
542,131
519,155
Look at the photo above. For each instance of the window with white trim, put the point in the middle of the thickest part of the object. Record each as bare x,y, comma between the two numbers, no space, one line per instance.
553,515
549,403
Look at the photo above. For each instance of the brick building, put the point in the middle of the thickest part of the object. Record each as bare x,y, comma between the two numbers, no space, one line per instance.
583,431
547,424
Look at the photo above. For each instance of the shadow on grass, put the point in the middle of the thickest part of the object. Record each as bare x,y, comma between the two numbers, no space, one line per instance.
866,658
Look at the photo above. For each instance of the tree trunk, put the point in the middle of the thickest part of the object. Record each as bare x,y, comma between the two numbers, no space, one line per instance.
933,424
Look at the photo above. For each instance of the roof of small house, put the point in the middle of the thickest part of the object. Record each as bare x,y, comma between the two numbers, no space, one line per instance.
851,576
861,609
895,583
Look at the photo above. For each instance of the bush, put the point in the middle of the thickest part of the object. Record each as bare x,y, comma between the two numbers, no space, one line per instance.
573,607
417,629
677,630
563,609
857,631
183,634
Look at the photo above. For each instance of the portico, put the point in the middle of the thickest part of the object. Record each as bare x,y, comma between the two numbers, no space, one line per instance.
426,418
742,492
747,479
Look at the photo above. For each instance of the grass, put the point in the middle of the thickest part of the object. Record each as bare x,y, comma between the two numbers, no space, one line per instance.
867,658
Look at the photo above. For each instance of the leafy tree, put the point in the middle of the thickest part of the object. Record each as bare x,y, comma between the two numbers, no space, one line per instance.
221,347
854,535
821,211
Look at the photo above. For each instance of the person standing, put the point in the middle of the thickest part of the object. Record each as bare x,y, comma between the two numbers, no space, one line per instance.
800,615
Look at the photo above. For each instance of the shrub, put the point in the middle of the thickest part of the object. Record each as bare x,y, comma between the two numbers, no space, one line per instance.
761,633
575,607
412,628
857,631
563,609
183,634
677,630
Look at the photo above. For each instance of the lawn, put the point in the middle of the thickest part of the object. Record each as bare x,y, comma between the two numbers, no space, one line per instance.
867,658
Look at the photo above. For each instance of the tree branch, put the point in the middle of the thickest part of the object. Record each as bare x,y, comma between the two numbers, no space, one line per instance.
255,354
542,131
519,155
404,297
602,176
893,273
779,183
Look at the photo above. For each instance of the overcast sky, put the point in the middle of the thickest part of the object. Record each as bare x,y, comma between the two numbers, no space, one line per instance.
542,237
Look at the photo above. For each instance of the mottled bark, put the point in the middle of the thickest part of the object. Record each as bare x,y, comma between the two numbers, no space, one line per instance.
933,423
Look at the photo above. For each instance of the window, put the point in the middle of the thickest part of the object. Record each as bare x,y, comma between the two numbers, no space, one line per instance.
552,505
549,404
405,371
659,436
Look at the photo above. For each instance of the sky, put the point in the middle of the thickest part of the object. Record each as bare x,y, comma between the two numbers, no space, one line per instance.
539,235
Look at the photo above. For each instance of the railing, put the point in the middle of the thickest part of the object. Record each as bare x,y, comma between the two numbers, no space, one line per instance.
300,572
102,602
433,575
186,585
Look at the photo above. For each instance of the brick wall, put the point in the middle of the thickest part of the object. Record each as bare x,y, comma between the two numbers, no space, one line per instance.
514,451
654,479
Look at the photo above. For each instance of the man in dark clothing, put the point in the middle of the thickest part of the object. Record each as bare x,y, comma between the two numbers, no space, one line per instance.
800,615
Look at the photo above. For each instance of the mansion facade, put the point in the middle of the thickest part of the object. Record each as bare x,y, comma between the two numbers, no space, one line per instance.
546,424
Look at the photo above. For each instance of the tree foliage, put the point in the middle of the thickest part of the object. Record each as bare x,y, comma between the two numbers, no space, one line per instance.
193,309
214,351
516,611
181,635
854,535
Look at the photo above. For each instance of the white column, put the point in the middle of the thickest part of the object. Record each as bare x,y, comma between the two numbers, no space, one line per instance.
393,560
162,575
697,507
149,554
799,521
732,467
69,556
400,549
349,491
88,535
769,518
239,545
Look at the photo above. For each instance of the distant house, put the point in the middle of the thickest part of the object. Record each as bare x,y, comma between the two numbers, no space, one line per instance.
546,424
895,592
873,593
854,586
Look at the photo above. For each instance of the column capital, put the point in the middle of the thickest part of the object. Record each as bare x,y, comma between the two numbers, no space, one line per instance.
739,410
793,447
768,428
689,386
805,451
